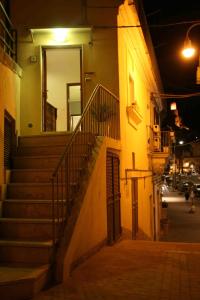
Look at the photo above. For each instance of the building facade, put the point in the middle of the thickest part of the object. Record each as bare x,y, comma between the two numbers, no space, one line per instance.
105,52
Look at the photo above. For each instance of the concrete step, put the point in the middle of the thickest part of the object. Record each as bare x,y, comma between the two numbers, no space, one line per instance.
25,252
44,139
40,150
45,162
31,175
26,229
29,191
21,283
37,209
39,175
53,150
40,191
50,139
35,162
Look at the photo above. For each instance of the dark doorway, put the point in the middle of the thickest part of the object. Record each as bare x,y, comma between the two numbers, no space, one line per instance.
9,140
113,197
134,189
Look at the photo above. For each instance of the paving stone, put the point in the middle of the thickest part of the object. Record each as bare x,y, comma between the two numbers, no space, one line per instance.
142,270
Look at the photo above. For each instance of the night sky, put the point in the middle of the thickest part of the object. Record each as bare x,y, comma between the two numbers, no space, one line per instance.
178,75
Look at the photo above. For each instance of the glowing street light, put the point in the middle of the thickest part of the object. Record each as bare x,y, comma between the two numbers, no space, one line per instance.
173,106
189,51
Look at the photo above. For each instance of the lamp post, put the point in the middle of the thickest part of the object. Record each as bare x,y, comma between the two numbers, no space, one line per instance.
189,51
177,157
174,161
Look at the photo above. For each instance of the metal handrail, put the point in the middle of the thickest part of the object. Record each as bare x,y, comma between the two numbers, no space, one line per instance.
8,35
5,14
76,130
100,117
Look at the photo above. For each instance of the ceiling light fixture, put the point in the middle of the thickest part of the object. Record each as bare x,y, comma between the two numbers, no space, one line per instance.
60,34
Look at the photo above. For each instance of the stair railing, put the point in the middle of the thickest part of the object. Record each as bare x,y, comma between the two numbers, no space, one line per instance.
8,35
99,118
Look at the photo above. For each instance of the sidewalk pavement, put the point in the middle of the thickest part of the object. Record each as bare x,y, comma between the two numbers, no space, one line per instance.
183,226
136,270
173,196
142,270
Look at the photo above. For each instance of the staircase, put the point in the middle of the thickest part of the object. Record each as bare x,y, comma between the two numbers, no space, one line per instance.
26,235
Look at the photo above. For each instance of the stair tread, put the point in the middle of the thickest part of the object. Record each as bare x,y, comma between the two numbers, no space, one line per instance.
30,183
26,243
48,183
54,145
33,170
25,220
39,170
37,156
44,156
10,274
31,201
47,134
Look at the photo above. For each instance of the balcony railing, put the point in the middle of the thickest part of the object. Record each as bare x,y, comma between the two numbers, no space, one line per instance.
160,142
8,35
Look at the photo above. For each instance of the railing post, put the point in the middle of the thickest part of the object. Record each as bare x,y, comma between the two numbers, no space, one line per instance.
53,212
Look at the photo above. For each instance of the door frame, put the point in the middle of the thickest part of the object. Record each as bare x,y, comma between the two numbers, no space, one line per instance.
44,49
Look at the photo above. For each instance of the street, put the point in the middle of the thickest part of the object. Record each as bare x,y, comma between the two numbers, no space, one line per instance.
183,226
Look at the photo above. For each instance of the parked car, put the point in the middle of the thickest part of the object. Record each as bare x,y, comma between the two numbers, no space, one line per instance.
197,189
185,185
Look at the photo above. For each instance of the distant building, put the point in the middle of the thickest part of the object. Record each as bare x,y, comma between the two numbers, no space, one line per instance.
191,159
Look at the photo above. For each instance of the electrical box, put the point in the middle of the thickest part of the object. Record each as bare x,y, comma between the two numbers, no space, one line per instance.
33,59
156,144
156,128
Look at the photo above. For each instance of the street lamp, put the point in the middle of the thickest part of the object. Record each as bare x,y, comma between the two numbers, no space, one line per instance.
189,51
173,106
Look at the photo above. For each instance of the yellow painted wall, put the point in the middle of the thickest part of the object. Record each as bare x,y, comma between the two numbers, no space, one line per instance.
31,87
101,56
134,62
95,59
91,227
62,13
9,101
99,48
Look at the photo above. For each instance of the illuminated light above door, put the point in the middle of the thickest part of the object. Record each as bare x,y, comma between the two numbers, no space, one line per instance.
60,34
